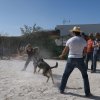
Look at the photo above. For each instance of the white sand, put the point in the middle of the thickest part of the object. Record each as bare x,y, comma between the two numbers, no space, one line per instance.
24,85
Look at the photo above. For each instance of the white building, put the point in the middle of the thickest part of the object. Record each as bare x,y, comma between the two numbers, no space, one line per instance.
86,28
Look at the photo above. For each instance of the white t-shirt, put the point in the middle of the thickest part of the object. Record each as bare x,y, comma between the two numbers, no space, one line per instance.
76,46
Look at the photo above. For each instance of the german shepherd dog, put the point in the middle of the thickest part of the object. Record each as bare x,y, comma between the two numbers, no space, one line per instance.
47,70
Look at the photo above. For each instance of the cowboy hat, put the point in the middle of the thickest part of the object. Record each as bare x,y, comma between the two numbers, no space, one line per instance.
75,29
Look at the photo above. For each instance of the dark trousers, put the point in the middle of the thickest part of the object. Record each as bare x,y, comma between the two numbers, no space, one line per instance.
27,62
71,64
89,56
96,54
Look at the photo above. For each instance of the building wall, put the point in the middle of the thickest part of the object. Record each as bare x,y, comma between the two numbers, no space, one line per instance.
86,28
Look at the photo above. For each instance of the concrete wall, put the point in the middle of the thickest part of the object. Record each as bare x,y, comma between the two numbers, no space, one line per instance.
86,28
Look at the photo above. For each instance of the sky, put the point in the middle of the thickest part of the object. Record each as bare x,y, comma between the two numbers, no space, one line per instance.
14,14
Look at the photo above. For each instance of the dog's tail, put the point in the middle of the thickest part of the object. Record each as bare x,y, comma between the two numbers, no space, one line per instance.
55,65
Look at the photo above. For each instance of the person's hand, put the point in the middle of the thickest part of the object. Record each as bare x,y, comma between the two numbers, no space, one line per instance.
99,44
61,56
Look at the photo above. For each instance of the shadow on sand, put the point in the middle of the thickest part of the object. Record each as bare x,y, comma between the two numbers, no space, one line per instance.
57,84
93,97
97,71
57,77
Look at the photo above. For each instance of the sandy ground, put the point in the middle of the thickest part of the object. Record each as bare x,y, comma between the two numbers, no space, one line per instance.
24,85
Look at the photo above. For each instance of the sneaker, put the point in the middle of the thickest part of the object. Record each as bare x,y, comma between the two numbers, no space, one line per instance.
62,92
88,95
92,71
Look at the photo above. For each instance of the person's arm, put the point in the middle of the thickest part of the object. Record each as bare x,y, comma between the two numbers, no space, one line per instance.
64,52
97,44
84,51
25,50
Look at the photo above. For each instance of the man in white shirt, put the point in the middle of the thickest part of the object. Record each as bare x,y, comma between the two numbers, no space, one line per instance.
75,46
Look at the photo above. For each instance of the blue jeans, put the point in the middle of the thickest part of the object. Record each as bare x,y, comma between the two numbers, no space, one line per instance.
27,62
96,54
89,56
71,64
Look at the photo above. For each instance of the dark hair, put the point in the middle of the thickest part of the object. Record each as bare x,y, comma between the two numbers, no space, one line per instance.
91,36
77,33
97,34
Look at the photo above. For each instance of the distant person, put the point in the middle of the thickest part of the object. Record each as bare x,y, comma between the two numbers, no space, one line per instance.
75,47
89,54
96,52
30,52
84,36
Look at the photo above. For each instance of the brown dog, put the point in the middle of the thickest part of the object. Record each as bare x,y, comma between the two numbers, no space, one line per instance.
46,69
